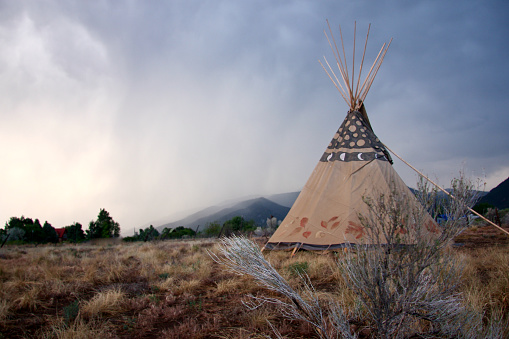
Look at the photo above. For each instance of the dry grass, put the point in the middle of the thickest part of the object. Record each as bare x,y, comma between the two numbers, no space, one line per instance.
228,286
79,329
109,303
486,281
187,286
29,298
4,309
173,289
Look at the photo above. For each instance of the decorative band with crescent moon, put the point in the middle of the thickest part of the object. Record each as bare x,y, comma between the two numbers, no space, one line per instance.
352,156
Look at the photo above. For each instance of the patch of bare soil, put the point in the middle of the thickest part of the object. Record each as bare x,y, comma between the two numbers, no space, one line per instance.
482,236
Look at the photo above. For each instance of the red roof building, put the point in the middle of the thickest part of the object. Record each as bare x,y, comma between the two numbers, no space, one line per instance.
62,235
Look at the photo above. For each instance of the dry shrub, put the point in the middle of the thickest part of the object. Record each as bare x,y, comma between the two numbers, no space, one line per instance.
192,297
187,286
15,286
20,271
403,291
117,271
486,283
56,288
51,271
240,333
79,329
29,298
203,271
110,302
259,317
196,265
321,269
4,309
152,256
176,270
92,270
193,258
227,286
199,265
107,269
167,284
189,328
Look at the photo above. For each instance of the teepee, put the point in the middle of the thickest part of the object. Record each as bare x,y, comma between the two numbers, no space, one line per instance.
356,164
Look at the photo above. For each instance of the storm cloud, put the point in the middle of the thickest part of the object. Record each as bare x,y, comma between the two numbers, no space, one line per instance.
149,109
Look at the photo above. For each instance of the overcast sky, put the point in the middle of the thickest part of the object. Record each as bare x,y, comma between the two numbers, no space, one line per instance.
149,108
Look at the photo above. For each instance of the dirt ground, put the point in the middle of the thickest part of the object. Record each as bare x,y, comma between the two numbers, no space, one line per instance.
174,290
482,236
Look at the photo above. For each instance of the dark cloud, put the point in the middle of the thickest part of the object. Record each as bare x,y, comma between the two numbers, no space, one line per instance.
149,109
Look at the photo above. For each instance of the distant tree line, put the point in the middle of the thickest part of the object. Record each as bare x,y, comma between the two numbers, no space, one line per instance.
150,233
235,225
27,230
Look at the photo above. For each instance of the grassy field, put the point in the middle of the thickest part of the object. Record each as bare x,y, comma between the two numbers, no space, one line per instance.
173,289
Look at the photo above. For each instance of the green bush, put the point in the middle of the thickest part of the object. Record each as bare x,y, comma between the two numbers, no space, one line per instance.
482,207
298,268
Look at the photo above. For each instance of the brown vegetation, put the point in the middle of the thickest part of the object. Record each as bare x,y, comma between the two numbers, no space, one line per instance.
175,290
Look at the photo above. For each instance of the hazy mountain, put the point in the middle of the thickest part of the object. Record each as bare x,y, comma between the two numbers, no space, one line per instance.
499,196
278,205
258,209
284,199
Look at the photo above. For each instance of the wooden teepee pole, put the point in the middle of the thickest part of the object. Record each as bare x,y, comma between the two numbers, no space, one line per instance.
353,93
443,190
362,63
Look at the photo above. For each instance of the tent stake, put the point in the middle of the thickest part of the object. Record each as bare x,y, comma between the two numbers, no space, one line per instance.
294,251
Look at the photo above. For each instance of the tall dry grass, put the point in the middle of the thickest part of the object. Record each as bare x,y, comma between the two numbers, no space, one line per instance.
486,281
107,303
174,289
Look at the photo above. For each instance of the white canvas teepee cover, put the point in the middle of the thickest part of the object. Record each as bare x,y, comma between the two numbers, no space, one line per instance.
326,212
355,165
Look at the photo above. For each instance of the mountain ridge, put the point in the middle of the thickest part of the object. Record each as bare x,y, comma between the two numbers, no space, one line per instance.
498,196
257,209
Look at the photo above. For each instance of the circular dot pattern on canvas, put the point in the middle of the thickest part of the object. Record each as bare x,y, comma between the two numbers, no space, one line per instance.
352,139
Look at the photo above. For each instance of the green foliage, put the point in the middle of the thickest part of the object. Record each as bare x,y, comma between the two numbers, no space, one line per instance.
165,234
103,227
75,232
177,233
3,234
29,231
15,222
149,234
238,225
130,324
71,311
298,268
131,238
235,225
195,303
212,229
164,276
33,229
154,298
16,234
49,234
482,207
